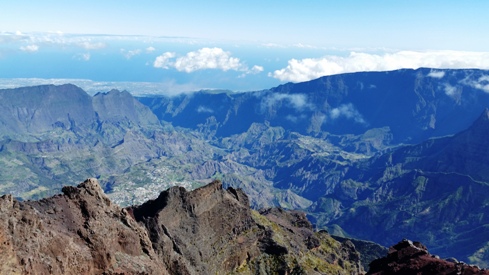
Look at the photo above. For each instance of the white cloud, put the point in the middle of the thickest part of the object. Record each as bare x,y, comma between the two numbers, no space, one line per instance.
450,90
256,69
296,119
168,88
482,83
437,74
202,59
82,56
7,37
273,45
311,68
348,111
297,101
291,118
304,46
203,109
30,48
150,49
164,61
129,54
207,58
172,88
86,42
87,45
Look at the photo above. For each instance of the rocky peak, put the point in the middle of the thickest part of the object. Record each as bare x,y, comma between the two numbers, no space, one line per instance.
79,231
116,106
209,230
195,203
199,229
90,187
407,257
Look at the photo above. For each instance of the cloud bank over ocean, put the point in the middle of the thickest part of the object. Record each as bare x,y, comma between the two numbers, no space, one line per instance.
201,63
202,59
311,68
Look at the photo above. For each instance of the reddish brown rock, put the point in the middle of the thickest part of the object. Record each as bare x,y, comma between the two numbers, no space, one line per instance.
206,231
213,231
409,257
79,232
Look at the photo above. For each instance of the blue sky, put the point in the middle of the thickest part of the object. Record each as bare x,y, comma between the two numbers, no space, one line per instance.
237,45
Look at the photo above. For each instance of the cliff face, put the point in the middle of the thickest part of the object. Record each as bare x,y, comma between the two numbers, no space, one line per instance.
33,110
207,231
412,104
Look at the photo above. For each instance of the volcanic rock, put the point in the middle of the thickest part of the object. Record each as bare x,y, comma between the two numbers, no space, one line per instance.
213,231
79,232
206,231
409,257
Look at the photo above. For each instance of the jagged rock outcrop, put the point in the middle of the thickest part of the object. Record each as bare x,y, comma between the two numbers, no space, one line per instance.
197,232
78,232
409,257
206,231
213,231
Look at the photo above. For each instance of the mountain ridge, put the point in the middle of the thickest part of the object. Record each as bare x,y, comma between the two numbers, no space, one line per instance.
342,104
275,145
405,190
82,231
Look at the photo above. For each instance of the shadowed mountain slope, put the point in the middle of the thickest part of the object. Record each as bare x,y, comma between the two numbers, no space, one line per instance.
34,110
334,146
413,104
435,191
118,140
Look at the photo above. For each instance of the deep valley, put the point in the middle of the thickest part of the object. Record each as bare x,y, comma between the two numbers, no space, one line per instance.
378,156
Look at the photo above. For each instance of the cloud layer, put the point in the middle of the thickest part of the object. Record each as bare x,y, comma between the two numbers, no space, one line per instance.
29,48
139,88
348,111
82,56
128,54
297,101
482,83
202,59
311,68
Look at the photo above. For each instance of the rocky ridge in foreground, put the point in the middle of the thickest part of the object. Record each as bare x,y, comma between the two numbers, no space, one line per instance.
409,257
206,231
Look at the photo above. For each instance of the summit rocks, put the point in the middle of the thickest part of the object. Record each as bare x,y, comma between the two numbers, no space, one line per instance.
79,232
206,231
407,257
213,231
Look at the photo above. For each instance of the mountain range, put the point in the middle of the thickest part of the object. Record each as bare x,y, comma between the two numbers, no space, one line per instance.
413,104
379,156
